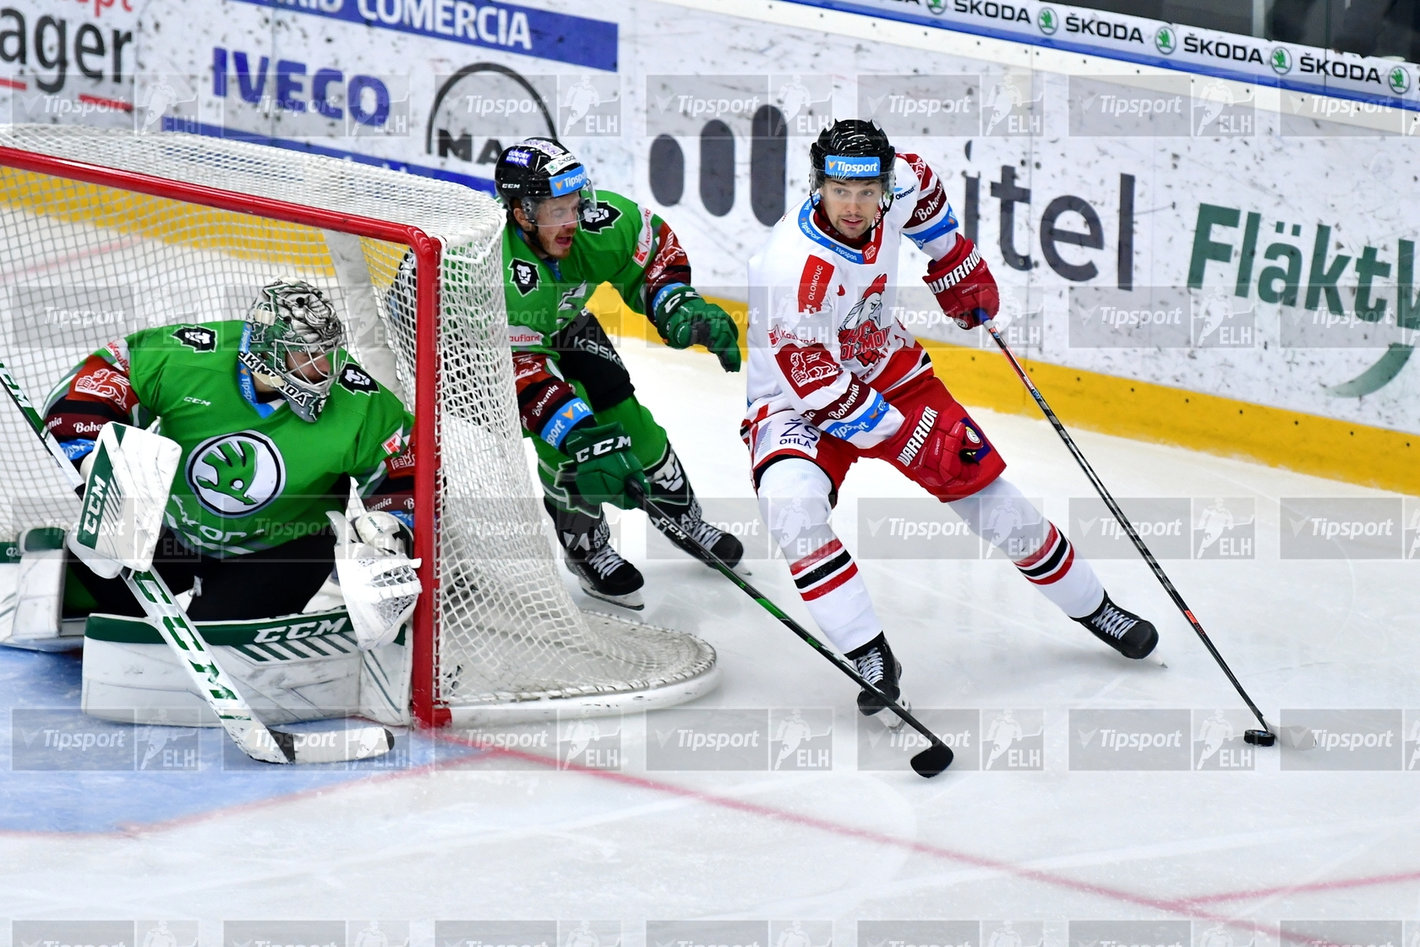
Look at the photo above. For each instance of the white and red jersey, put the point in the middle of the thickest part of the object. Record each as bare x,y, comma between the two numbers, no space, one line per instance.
824,342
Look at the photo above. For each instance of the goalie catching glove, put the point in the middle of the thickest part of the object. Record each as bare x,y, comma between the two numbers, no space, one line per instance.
684,319
376,577
963,285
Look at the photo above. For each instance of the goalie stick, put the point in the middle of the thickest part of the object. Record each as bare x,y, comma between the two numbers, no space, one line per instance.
254,738
1297,737
930,762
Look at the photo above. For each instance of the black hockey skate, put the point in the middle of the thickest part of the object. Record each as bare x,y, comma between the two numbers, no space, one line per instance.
1122,630
599,568
876,664
724,546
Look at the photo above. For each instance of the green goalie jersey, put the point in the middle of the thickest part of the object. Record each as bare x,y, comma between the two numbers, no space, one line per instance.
253,475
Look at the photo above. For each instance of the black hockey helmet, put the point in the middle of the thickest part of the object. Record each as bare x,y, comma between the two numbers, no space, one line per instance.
536,169
852,150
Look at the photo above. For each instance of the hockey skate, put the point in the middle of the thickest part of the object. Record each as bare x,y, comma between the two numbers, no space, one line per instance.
1122,630
599,568
722,545
671,490
876,664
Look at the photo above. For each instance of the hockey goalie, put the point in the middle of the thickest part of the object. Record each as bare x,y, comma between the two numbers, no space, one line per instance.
242,461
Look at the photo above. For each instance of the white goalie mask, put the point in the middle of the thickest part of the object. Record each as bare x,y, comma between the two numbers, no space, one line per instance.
295,344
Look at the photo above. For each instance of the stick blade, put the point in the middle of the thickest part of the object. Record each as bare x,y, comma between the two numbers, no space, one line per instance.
931,761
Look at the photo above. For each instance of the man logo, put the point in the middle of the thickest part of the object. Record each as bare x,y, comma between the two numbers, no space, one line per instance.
235,474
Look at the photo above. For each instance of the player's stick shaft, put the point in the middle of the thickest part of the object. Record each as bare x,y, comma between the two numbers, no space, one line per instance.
929,762
211,682
1128,527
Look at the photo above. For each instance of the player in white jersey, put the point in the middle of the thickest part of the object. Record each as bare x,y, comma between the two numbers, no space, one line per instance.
833,376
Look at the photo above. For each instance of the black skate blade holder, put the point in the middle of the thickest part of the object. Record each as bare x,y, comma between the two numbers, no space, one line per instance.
928,763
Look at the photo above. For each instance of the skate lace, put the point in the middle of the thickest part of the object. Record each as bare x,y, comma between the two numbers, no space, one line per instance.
870,666
703,533
1114,622
605,561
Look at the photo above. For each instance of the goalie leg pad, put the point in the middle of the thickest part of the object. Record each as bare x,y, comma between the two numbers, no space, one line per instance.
31,611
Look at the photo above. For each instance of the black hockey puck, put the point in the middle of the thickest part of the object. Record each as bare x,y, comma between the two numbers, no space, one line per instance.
1260,737
931,761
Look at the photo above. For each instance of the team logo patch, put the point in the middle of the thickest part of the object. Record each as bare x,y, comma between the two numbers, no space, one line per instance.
524,276
235,474
358,381
197,338
600,217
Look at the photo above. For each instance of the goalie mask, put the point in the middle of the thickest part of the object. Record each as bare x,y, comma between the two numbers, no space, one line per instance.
853,150
294,344
537,169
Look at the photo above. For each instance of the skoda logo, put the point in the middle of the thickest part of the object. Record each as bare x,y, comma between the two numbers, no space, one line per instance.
235,474
1281,60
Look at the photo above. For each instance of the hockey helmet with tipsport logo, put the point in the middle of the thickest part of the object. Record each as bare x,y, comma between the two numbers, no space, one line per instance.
853,150
537,169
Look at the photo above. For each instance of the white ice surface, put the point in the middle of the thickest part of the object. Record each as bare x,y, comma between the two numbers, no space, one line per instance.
498,838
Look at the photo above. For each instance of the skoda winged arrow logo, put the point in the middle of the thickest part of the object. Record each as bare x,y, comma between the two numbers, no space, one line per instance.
1164,40
1281,60
1048,21
1399,80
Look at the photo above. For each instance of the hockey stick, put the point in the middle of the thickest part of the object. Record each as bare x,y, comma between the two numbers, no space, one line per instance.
1264,737
254,738
928,763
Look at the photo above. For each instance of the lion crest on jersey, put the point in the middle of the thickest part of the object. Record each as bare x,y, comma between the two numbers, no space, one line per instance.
859,336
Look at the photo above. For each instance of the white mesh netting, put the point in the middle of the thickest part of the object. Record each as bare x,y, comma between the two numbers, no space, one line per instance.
85,263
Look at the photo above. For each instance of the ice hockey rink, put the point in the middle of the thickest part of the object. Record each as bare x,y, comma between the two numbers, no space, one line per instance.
765,813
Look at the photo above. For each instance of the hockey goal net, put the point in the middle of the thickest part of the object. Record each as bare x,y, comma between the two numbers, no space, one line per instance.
107,232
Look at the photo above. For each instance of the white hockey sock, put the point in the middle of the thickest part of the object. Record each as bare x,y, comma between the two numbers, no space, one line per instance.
1003,516
793,498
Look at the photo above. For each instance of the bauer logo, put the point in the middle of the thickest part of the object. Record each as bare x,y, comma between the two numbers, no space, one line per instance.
1161,522
1130,934
913,528
719,739
1368,740
590,743
1012,740
919,933
63,739
1104,317
1369,932
1129,740
881,748
1221,321
938,105
279,933
1224,528
1341,527
731,933
1218,740
495,933
72,933
801,933
800,739
1138,106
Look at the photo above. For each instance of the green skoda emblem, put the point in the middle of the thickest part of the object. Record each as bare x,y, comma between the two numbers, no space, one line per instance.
236,474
